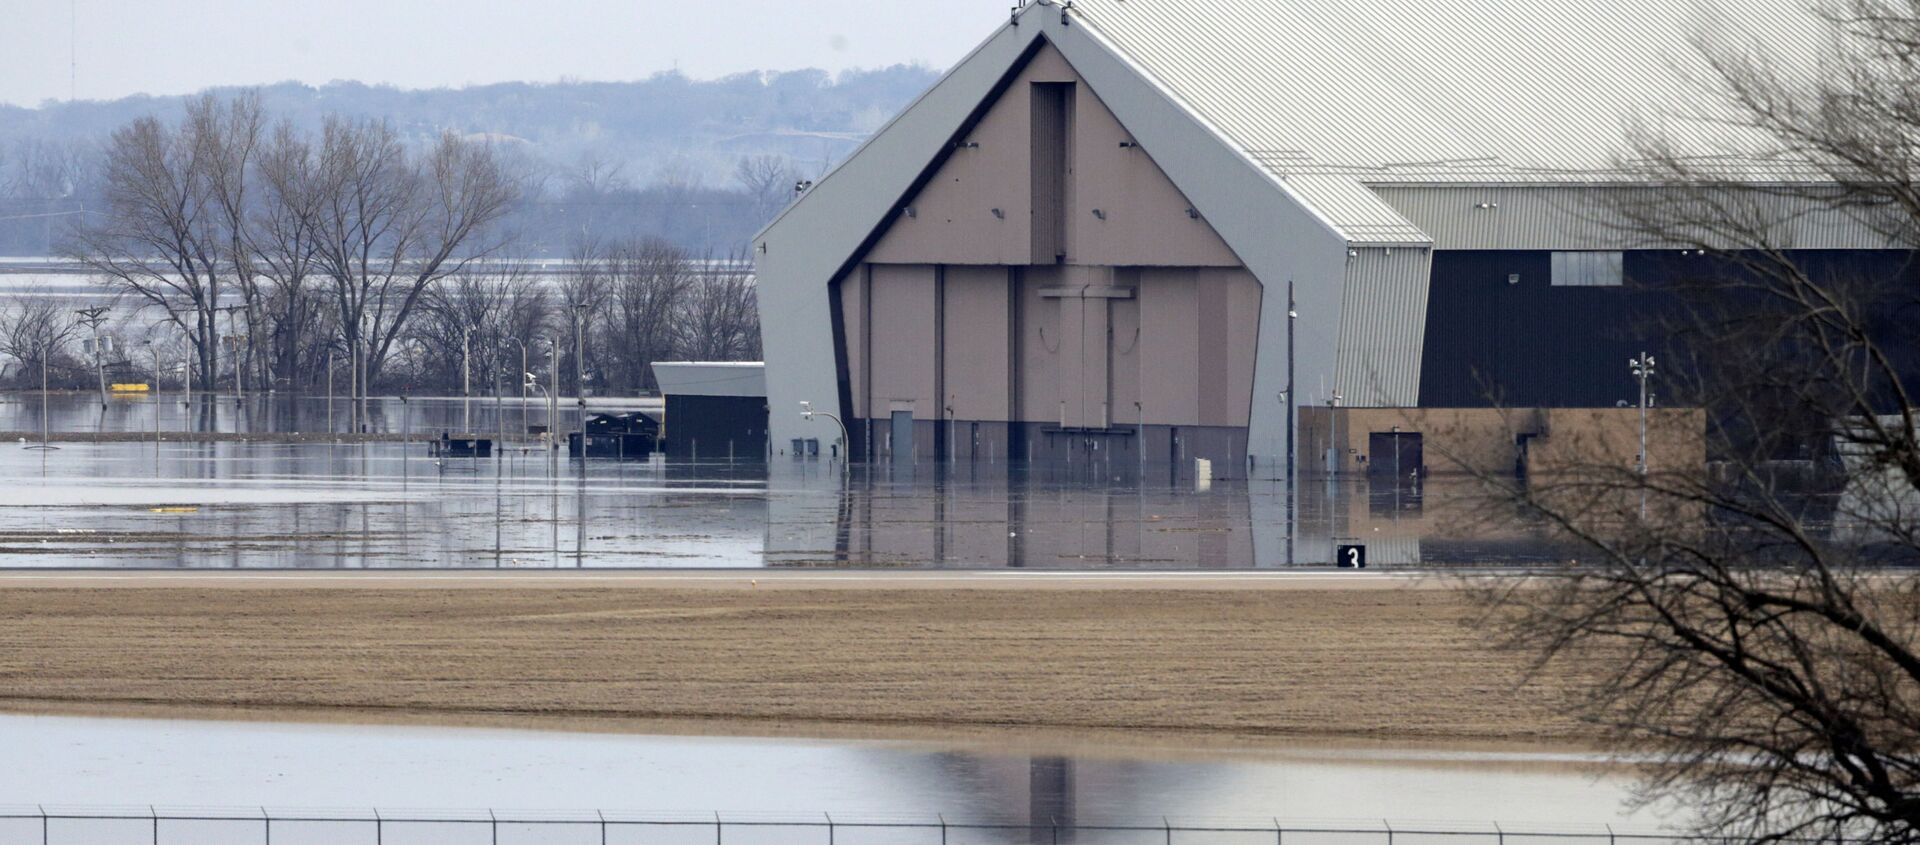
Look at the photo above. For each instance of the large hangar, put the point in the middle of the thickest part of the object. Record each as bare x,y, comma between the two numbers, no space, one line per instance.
1080,244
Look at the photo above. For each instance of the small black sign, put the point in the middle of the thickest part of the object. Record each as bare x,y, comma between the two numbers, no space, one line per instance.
1350,557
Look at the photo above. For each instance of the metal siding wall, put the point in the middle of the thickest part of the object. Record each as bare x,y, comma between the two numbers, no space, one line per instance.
1382,327
1587,218
711,425
1531,344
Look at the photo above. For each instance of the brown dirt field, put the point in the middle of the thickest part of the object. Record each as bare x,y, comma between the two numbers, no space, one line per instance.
1202,659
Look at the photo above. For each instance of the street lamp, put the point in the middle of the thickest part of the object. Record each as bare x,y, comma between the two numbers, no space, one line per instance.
1642,369
93,317
807,413
526,378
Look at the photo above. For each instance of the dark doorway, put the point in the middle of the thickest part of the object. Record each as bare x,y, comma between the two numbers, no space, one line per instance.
1395,454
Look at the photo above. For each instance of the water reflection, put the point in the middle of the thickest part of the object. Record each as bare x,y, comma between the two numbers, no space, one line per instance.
327,504
90,761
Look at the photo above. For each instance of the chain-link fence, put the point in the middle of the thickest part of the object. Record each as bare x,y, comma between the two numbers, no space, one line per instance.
263,826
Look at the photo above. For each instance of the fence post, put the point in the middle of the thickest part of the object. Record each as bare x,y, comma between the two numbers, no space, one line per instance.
943,828
493,822
1389,826
43,823
1279,835
1054,823
829,827
716,829
603,826
1610,835
379,828
1169,826
1501,834
155,815
266,821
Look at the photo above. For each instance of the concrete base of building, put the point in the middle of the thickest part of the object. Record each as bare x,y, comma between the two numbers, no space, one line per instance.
1119,447
1403,442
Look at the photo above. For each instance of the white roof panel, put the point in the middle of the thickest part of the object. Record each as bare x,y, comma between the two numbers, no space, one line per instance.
1404,87
711,378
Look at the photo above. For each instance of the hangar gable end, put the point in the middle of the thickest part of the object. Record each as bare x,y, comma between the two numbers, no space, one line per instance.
1048,175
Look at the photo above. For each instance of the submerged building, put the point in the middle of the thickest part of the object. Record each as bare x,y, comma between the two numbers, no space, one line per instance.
1082,242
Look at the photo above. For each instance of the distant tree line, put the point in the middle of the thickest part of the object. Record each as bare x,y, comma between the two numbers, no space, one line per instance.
251,252
657,157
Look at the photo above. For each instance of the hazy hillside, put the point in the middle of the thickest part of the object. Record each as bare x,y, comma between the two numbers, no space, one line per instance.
657,156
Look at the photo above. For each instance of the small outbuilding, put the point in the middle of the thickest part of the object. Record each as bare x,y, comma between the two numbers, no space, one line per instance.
714,409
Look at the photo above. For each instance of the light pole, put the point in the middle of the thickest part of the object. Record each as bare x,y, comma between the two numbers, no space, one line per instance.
579,372
807,413
1292,400
553,394
466,382
155,350
330,429
93,317
1642,369
526,376
46,436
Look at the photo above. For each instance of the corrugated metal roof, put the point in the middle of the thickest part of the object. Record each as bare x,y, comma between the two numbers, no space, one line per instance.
1417,89
1357,211
1332,96
711,378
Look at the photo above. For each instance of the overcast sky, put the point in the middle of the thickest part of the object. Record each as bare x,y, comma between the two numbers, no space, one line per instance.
177,46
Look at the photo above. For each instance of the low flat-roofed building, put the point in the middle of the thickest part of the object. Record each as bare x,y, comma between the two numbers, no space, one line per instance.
714,409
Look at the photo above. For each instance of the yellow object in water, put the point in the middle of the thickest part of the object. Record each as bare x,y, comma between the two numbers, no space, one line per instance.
175,509
131,388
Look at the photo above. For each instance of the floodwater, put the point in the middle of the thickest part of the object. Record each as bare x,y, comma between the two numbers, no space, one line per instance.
69,763
327,505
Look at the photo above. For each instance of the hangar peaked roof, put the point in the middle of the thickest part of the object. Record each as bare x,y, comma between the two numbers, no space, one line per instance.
1453,90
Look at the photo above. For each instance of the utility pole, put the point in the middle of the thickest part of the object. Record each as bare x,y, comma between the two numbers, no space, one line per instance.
93,317
1642,369
466,382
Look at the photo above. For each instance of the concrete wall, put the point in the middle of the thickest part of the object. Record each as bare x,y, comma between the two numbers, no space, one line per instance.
1483,440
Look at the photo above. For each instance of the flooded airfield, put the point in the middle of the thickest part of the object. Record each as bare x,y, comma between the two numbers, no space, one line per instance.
296,498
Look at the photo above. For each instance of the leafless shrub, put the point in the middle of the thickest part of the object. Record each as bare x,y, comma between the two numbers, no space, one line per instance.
1752,625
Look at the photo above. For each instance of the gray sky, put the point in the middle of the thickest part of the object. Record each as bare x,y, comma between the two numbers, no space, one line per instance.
177,46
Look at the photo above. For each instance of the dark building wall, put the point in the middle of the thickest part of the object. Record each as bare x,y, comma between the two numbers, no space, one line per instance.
717,427
1498,333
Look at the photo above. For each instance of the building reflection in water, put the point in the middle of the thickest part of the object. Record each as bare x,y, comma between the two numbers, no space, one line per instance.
1014,516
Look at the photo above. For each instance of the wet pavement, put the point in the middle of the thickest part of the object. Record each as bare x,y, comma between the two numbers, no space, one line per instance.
334,505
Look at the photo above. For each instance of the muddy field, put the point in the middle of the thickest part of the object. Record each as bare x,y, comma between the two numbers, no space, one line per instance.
1374,659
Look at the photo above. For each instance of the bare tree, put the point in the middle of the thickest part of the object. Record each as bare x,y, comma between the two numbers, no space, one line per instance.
767,181
283,231
648,280
36,327
482,313
390,227
720,315
1753,626
168,239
